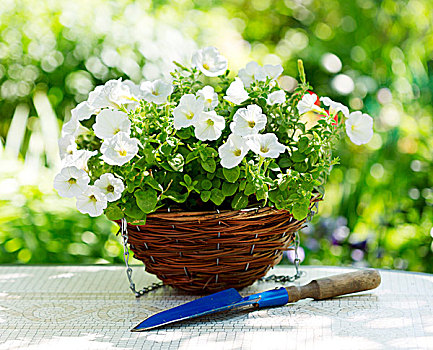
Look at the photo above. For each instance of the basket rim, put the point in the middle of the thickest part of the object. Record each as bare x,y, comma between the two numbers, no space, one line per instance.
178,214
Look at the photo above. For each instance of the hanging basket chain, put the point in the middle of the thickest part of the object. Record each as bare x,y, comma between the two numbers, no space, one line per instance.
297,262
138,293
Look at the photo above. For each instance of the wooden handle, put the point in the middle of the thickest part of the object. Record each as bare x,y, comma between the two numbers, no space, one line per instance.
333,286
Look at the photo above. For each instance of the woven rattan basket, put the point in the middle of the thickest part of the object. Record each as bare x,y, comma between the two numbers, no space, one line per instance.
205,252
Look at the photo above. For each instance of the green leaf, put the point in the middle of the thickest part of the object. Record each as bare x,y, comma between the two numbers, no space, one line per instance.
301,167
300,209
206,184
297,156
303,144
187,179
190,157
146,200
175,196
242,185
210,152
239,201
209,165
261,194
132,210
229,189
166,149
184,133
284,163
216,183
113,212
273,165
149,155
153,183
176,162
273,195
232,174
205,196
250,189
219,173
217,196
313,157
262,102
203,156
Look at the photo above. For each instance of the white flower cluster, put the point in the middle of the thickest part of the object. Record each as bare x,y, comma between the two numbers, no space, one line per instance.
92,200
246,125
109,104
198,111
113,127
359,126
247,122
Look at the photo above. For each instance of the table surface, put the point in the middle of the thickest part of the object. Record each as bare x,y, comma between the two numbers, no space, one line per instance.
91,307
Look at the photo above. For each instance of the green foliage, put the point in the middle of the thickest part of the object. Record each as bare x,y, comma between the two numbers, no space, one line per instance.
175,168
39,227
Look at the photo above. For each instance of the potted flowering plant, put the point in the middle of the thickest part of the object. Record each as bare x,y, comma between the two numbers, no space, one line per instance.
203,143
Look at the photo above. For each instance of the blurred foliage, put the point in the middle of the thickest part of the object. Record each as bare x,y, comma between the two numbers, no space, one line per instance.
371,55
37,226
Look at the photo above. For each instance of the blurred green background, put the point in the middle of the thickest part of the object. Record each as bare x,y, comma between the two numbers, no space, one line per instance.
371,55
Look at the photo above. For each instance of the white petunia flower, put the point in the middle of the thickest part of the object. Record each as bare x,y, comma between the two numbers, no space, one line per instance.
209,97
273,71
67,146
236,92
98,98
248,121
252,71
71,181
110,186
128,94
209,61
359,127
119,149
113,94
79,159
187,111
134,91
335,107
73,127
276,97
209,126
156,91
307,104
83,111
109,123
233,151
266,145
92,201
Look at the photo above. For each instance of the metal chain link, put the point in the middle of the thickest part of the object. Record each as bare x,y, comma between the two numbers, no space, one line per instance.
141,292
296,261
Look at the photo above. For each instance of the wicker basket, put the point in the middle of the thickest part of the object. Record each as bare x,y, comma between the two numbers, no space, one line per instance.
205,252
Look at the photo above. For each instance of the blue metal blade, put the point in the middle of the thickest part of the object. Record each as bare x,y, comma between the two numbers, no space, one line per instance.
221,301
199,307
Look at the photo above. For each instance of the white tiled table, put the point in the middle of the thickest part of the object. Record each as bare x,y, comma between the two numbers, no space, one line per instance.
91,307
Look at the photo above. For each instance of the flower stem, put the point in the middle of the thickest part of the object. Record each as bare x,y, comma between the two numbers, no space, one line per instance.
260,164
